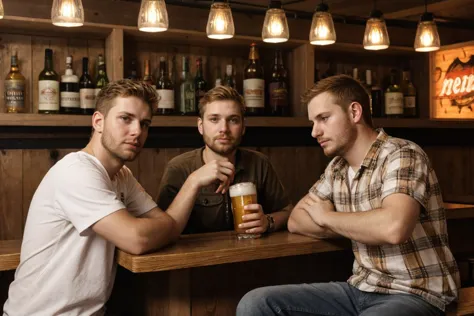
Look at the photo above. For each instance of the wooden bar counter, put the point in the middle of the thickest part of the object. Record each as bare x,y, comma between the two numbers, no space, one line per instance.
207,274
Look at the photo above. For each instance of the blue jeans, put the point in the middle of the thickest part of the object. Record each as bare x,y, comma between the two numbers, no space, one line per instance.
331,299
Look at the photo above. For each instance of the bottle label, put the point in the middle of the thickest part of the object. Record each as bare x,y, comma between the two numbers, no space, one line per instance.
48,95
393,103
87,98
410,102
278,94
254,93
70,99
15,94
165,99
188,98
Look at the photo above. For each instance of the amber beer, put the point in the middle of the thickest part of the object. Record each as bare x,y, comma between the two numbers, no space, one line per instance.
242,194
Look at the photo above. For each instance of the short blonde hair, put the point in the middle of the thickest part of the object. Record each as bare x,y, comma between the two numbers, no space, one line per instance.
221,93
345,90
125,88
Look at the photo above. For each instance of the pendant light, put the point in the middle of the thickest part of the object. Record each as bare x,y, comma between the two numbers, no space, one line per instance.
67,13
427,37
322,27
153,16
376,34
2,13
275,27
220,24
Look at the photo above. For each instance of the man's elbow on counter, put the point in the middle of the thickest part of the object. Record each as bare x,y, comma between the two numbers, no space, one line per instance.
292,226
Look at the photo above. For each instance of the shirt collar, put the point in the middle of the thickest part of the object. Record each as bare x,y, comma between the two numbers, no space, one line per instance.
370,159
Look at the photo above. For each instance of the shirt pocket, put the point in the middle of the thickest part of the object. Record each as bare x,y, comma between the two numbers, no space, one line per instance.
209,212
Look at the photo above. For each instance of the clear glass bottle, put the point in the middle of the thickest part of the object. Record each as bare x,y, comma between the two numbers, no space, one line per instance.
15,88
102,79
409,96
187,105
393,97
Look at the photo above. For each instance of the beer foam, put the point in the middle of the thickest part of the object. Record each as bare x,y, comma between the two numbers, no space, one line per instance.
241,189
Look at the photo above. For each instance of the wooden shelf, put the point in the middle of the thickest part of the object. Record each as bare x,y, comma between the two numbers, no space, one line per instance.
44,27
60,120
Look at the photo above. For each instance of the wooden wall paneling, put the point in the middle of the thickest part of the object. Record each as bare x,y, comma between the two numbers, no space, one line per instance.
11,194
302,64
114,54
453,169
279,158
308,165
36,164
179,292
152,166
22,44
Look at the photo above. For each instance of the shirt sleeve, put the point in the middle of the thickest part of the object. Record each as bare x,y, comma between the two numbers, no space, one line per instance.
138,201
407,171
171,183
275,196
323,188
85,196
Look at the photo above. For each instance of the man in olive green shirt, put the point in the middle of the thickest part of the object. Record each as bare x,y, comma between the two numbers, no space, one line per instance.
221,123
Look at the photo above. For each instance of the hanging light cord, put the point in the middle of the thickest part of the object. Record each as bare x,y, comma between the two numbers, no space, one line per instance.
426,5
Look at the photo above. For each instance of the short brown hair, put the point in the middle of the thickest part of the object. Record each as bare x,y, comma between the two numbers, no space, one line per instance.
345,90
126,88
221,93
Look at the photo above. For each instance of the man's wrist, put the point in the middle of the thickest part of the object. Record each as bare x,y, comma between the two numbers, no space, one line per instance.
270,223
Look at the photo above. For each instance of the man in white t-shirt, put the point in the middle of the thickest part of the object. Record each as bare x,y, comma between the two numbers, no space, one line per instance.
88,204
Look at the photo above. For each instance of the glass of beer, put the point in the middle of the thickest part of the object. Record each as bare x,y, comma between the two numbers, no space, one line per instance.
242,194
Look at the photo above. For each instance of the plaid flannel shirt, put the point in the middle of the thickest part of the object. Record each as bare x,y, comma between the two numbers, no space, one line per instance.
424,264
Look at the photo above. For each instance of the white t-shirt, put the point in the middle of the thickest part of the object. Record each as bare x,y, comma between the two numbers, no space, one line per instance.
65,268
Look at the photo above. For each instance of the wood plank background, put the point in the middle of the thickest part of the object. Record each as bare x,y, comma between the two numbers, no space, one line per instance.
31,59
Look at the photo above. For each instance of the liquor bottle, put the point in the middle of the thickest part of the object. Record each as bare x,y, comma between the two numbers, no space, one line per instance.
254,85
409,96
368,85
187,105
355,73
377,98
14,88
165,90
133,70
229,77
86,89
393,97
69,95
102,79
48,86
146,74
200,85
218,81
278,88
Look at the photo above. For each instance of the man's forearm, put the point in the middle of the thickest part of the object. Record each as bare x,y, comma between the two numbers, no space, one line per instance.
301,223
156,232
183,203
372,227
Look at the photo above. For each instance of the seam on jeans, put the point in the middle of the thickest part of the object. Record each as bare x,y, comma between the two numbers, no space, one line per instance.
293,309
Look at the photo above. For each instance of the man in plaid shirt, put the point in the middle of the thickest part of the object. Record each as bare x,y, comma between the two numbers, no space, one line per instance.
382,193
